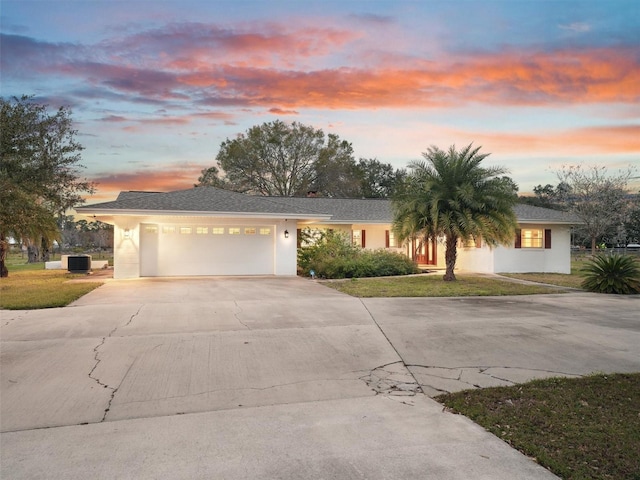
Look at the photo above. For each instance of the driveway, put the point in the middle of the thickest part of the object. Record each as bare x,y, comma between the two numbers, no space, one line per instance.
282,378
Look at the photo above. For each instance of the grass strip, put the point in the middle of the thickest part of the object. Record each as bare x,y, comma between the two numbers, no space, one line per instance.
434,286
34,289
579,428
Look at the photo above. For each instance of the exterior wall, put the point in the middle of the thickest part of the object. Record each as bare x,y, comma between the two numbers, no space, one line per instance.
129,256
375,236
476,260
556,259
126,248
286,251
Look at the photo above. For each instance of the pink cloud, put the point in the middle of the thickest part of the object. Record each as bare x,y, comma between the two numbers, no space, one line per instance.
165,179
612,139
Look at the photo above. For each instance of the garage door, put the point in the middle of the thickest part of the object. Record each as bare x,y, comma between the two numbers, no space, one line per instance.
183,250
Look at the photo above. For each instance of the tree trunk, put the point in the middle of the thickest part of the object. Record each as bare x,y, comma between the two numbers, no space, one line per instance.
593,245
4,245
32,253
45,254
450,256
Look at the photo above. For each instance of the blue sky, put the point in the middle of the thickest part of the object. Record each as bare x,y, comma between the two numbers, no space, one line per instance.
156,86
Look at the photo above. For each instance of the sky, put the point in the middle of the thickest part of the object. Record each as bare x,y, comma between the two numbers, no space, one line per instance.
156,86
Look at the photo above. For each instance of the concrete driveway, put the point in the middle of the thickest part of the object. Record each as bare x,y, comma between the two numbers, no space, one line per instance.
282,378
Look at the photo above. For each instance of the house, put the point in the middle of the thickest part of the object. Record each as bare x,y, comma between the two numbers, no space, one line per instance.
209,231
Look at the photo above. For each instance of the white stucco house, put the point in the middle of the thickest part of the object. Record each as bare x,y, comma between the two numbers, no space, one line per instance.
209,231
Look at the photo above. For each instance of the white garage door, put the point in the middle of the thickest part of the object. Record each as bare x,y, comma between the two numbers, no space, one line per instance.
182,250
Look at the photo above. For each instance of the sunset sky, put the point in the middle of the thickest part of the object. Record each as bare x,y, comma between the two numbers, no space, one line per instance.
156,86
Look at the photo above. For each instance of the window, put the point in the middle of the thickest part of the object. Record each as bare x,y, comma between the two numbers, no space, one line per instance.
234,231
533,238
250,231
167,229
390,240
217,230
358,238
151,229
265,231
202,230
185,230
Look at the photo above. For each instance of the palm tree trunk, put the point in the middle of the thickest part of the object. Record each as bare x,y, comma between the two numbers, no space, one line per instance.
450,256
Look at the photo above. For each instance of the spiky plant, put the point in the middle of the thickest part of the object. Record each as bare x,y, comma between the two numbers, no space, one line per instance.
612,274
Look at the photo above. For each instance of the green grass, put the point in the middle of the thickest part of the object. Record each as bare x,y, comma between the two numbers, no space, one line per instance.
579,428
562,280
572,280
27,289
434,286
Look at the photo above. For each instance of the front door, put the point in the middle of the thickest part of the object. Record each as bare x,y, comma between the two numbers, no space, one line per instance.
425,251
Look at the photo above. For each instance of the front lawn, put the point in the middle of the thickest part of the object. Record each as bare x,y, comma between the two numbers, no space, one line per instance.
27,289
579,428
434,286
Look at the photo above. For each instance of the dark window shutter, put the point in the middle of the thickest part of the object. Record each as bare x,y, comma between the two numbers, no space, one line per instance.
547,238
386,238
518,238
298,237
363,238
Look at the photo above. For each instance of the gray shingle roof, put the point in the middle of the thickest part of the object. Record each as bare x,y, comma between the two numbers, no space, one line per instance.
200,199
341,210
529,213
345,210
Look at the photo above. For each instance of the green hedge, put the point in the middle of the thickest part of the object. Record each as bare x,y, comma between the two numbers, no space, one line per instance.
331,255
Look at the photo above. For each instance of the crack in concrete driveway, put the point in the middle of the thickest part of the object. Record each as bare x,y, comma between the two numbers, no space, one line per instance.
97,359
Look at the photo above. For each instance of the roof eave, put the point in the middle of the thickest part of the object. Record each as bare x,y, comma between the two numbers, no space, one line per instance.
549,222
195,213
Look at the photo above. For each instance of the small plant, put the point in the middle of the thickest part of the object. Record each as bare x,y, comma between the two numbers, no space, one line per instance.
612,274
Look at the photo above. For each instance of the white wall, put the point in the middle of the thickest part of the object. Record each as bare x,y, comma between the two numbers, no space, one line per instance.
126,248
556,259
286,248
472,259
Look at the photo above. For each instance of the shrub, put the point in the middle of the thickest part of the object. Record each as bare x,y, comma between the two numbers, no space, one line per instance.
332,255
612,274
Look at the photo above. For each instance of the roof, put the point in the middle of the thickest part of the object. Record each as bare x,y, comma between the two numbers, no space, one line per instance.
346,210
530,214
211,200
199,200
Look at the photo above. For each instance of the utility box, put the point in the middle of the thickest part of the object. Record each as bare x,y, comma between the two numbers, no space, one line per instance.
79,263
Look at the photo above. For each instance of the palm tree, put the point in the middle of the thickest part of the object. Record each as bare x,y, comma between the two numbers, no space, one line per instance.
450,195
